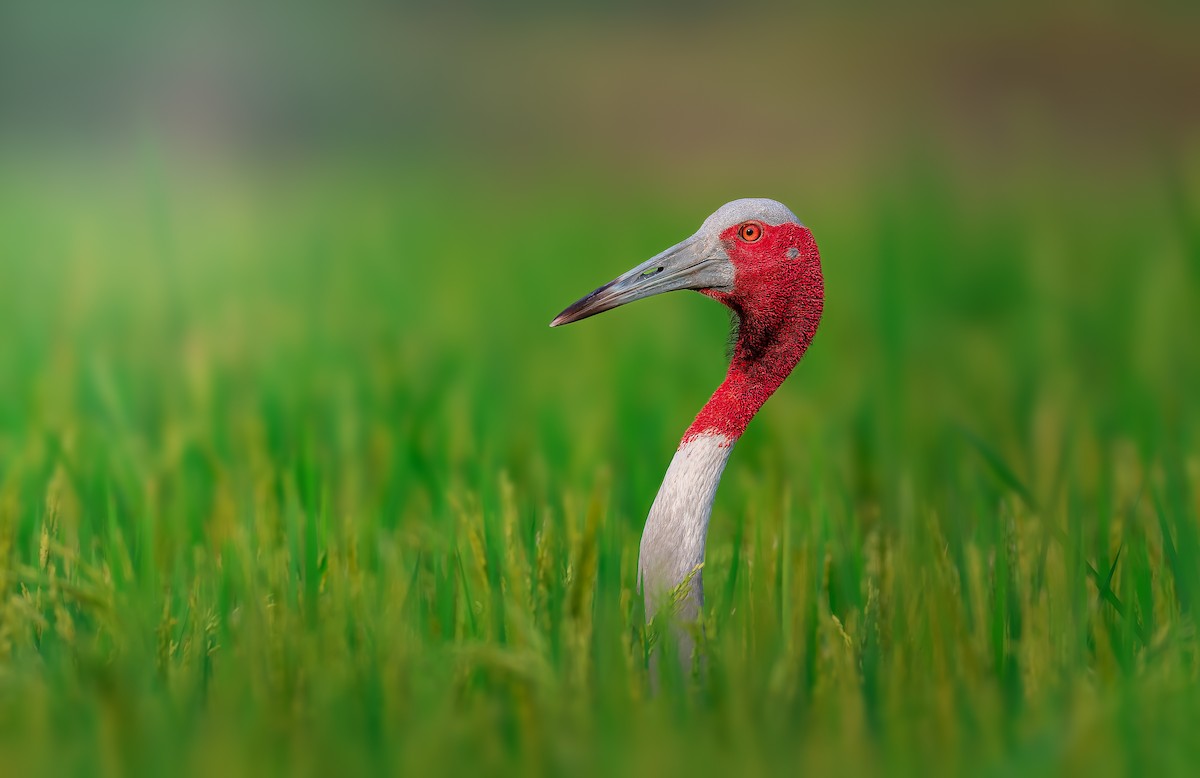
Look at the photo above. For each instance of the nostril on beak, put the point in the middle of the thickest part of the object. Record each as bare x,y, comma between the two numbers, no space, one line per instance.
651,272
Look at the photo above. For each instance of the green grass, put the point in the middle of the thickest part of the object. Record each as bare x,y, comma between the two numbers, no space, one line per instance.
294,477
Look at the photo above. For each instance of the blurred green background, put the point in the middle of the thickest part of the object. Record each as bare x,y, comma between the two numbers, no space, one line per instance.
294,477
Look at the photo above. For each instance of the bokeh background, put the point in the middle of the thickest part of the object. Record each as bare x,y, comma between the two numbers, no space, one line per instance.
274,287
289,177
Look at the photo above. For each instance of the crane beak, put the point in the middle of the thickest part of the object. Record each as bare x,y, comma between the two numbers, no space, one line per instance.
696,263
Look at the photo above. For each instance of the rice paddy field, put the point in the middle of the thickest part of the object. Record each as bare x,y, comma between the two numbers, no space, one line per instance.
294,478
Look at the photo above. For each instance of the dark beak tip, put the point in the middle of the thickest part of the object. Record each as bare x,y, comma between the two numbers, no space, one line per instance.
586,306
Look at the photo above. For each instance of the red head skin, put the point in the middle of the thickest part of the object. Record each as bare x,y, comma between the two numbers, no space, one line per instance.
778,299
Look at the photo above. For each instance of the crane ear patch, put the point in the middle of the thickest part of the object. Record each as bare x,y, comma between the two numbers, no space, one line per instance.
793,252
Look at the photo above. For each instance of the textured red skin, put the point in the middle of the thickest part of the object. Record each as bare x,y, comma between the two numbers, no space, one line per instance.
779,302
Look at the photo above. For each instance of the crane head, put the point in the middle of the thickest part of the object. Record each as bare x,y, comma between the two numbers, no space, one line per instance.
749,255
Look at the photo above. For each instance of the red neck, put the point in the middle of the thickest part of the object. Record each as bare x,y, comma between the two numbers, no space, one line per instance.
779,304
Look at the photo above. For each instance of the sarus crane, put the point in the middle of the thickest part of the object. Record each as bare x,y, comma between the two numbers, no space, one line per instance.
755,257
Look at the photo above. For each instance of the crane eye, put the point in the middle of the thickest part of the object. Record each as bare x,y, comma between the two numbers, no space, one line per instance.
750,231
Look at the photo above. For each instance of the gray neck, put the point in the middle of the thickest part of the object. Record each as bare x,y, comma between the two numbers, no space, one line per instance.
672,549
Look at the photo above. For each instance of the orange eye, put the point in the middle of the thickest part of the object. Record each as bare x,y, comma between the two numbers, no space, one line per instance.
750,231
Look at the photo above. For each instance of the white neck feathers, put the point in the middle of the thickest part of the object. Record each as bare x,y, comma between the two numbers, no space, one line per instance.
672,548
